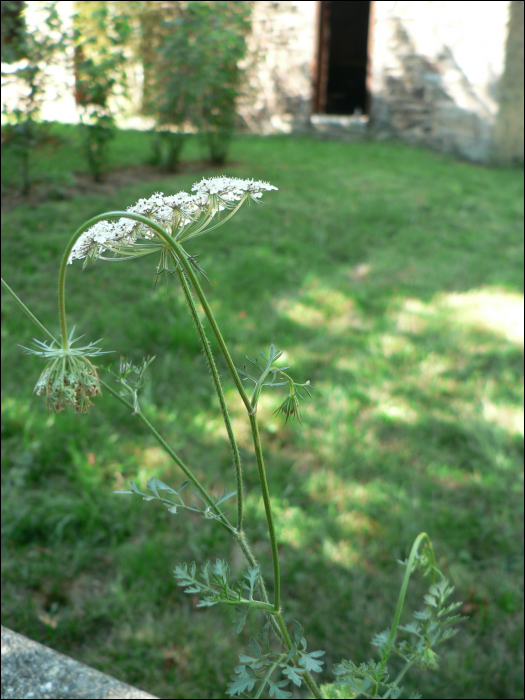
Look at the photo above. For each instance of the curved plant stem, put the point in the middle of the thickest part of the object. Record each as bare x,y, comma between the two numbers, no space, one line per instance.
181,257
220,394
409,566
258,387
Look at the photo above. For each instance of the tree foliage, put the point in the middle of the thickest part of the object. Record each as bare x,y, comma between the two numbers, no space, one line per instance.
101,36
191,53
33,56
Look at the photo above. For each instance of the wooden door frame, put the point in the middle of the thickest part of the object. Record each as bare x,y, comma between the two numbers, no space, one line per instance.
369,51
321,56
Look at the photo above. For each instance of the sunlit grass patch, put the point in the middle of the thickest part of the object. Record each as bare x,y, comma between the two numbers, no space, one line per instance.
324,307
490,309
506,416
328,487
343,553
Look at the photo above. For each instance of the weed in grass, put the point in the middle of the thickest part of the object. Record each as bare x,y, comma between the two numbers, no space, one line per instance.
417,397
161,225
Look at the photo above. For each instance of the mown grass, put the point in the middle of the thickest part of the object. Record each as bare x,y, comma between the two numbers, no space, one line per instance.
393,279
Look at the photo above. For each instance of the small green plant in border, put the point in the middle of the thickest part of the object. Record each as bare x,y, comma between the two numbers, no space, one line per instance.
276,658
99,39
191,54
41,49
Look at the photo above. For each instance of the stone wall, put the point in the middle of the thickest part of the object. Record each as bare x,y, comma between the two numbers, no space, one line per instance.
445,74
438,74
280,67
435,71
32,670
508,137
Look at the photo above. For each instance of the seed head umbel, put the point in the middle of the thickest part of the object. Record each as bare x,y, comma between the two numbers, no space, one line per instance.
70,378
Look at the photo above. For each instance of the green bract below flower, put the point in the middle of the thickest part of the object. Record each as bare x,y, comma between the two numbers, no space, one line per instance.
70,379
182,215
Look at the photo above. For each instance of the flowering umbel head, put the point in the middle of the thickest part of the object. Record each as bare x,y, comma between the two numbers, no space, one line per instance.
181,215
70,378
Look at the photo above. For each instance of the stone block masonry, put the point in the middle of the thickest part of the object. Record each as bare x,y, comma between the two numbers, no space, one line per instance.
32,670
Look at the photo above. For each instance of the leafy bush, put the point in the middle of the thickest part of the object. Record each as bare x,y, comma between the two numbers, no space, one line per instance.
100,39
191,53
33,55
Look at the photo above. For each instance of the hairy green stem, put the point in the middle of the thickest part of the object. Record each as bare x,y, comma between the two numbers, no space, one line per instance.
220,394
258,387
257,604
268,676
213,324
399,677
245,548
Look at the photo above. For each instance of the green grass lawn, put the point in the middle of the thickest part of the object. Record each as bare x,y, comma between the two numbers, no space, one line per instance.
393,279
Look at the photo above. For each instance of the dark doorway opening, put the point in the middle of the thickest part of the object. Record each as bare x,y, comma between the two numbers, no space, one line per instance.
343,58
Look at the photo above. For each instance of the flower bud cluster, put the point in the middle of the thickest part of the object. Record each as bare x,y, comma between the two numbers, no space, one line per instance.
182,215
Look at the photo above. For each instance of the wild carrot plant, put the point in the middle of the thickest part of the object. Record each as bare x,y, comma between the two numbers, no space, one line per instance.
278,655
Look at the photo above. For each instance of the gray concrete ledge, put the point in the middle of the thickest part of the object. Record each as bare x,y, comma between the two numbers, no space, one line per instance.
31,670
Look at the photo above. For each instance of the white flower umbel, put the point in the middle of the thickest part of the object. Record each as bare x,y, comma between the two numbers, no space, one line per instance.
231,189
106,235
217,193
182,215
69,379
